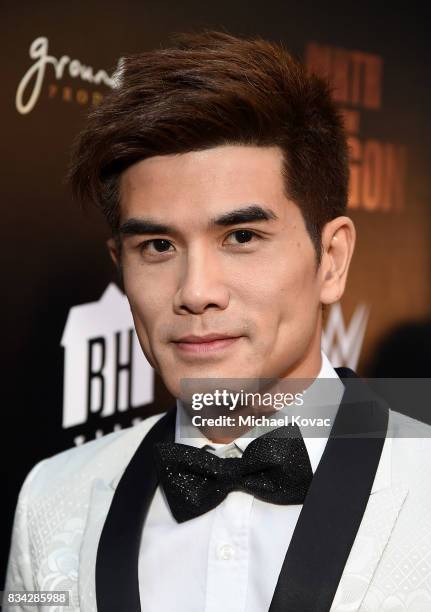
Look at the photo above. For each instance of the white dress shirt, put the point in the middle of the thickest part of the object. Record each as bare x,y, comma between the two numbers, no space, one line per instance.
228,559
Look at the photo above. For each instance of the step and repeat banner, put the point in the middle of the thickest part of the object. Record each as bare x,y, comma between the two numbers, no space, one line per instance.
73,369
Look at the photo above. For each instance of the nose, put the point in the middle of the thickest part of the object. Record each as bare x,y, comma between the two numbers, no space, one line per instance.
202,285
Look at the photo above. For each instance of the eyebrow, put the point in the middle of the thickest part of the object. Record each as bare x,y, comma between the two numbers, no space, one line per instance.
254,212
246,214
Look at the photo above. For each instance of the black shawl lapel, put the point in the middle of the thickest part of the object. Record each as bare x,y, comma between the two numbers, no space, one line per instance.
335,503
117,586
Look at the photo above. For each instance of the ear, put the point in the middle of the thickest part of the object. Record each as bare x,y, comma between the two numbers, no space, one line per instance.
338,243
113,249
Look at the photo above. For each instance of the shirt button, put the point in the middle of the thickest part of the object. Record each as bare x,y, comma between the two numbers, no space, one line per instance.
226,552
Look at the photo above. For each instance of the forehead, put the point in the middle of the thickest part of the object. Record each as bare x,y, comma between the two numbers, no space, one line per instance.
203,184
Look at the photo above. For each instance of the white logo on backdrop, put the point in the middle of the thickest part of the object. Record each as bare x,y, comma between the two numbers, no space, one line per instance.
36,73
105,370
343,344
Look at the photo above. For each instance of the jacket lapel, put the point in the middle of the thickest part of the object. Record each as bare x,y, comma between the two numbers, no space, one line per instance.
117,586
100,501
335,503
111,463
384,505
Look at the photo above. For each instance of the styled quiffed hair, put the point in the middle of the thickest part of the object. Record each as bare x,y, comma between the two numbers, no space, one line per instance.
212,88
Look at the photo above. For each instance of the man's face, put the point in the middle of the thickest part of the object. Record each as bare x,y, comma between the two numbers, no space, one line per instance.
212,247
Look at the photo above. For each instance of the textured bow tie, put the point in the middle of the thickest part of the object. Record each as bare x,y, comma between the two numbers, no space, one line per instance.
274,467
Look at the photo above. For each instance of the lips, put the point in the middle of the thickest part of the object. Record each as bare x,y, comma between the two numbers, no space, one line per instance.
205,344
192,339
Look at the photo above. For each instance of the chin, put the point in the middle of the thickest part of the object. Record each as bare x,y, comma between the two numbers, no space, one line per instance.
199,375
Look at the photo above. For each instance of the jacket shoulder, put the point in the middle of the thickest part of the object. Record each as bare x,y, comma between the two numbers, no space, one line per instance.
401,425
411,449
99,458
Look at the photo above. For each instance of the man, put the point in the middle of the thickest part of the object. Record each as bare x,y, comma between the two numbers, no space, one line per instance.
222,168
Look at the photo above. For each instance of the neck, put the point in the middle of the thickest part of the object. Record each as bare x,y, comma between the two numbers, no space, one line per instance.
305,371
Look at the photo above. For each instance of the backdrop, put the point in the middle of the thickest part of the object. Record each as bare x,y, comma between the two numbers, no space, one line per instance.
72,367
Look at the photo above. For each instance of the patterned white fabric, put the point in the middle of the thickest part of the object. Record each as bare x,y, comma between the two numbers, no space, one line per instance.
64,501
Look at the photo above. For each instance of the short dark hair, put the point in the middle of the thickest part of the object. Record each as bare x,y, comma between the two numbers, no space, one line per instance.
211,88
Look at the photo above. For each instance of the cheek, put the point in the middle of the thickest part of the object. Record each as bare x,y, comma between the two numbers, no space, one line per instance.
280,288
145,308
298,287
146,294
146,318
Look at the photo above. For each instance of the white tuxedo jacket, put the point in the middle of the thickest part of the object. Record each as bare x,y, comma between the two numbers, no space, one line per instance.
64,501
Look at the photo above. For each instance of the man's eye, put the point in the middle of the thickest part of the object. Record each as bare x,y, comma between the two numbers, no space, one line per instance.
242,236
158,245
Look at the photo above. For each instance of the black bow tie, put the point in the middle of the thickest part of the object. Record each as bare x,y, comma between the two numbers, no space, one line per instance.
274,467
